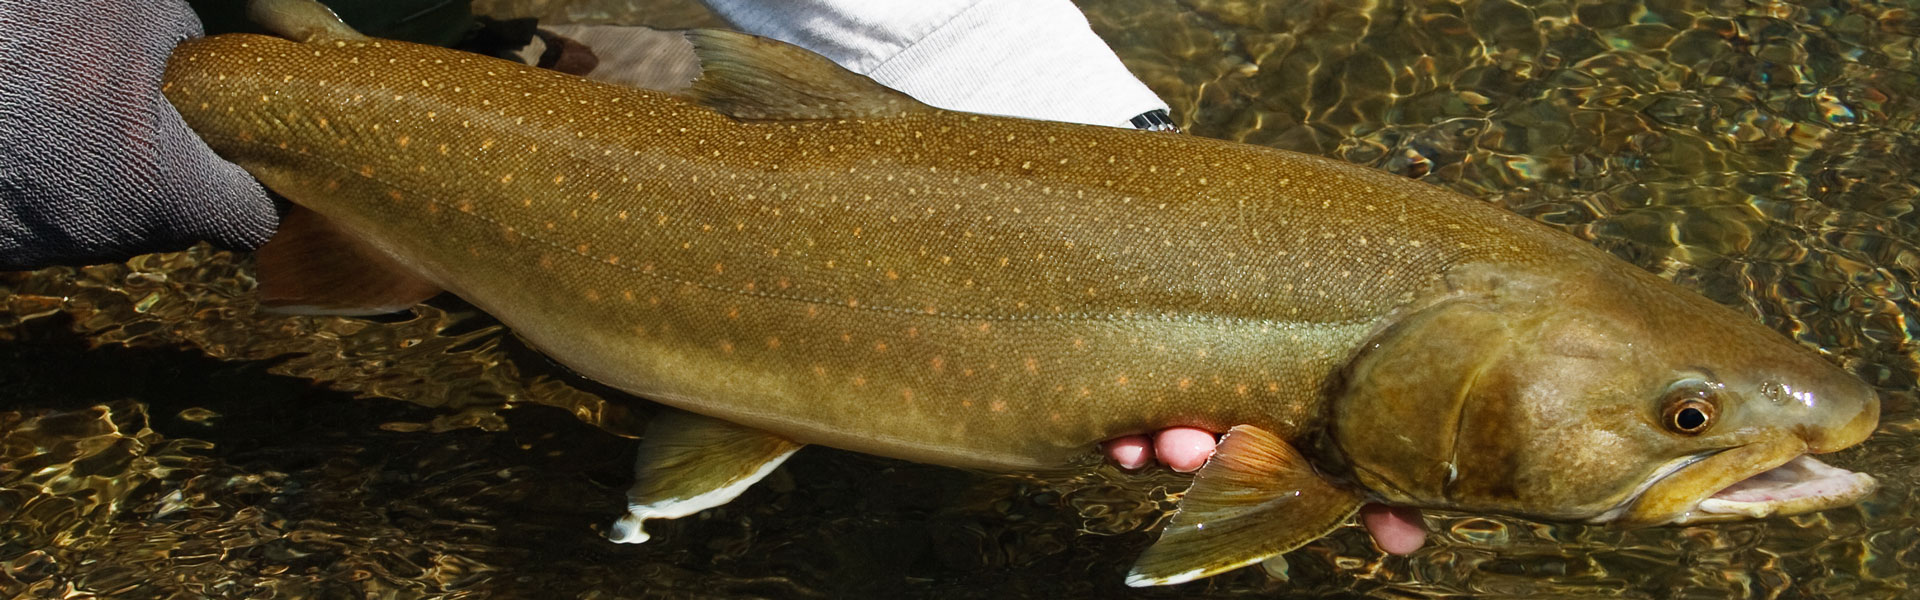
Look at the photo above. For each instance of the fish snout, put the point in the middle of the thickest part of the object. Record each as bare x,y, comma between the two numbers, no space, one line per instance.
1829,415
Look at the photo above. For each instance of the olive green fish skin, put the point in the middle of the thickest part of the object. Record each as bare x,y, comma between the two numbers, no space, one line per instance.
935,286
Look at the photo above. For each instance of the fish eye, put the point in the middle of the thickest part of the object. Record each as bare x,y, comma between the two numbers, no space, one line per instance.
1689,408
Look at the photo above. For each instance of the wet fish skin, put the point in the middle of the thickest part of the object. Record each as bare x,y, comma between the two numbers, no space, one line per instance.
1000,293
984,291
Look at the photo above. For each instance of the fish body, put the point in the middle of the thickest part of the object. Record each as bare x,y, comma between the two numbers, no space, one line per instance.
793,252
979,291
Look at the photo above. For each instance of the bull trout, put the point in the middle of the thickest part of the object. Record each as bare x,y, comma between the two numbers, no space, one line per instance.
793,254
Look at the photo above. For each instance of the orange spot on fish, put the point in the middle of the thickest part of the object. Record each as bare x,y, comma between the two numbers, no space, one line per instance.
939,364
726,347
546,261
1033,365
1185,382
892,275
819,371
366,170
733,312
719,268
859,381
626,295
1121,380
580,248
906,394
999,406
593,295
773,342
1240,389
507,178
984,327
879,346
404,141
394,194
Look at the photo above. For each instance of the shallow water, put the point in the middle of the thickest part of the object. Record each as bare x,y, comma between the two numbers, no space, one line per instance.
161,438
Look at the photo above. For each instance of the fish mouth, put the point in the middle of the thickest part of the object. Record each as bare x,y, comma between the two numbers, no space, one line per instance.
1801,485
1722,485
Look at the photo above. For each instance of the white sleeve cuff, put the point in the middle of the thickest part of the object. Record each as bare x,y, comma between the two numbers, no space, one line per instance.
1036,59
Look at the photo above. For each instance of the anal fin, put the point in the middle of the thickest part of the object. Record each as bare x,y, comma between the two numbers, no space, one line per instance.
311,267
1255,499
689,463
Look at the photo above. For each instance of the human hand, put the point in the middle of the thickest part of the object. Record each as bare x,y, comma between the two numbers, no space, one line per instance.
94,163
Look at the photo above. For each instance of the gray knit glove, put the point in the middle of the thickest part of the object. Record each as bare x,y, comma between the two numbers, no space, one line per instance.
95,165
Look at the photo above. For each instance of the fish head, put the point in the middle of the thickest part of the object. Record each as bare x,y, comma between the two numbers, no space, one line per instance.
1604,396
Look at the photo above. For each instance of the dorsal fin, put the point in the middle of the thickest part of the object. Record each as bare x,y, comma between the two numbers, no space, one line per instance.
754,78
301,20
311,267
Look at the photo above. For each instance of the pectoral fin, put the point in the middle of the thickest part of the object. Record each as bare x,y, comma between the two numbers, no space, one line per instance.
1256,498
689,463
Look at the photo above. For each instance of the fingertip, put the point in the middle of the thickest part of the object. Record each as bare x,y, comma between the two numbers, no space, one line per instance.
1131,452
1395,529
1183,449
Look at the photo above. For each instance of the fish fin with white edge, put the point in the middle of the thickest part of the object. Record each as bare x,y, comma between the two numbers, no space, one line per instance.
312,267
1255,499
753,78
689,463
302,21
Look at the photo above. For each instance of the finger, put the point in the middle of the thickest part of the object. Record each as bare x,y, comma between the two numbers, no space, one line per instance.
1131,452
1183,449
1395,529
